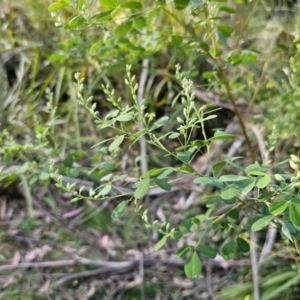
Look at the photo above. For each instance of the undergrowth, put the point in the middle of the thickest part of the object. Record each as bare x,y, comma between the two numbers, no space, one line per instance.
131,127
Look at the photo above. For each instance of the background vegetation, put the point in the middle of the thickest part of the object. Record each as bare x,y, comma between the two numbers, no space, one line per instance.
178,178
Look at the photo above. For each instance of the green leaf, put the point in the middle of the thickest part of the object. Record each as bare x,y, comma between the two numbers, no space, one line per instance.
286,232
227,9
247,189
207,251
284,281
139,23
242,245
167,171
232,177
220,135
95,47
230,201
119,210
184,156
176,235
57,5
210,181
186,169
295,215
109,166
162,184
106,177
131,5
142,188
294,166
152,14
23,169
262,223
185,226
156,172
109,3
80,4
184,250
125,117
181,4
193,267
158,123
256,170
122,29
278,207
204,47
233,216
229,192
218,167
228,250
296,201
266,196
174,135
153,173
71,172
263,182
176,40
60,58
116,143
105,190
103,16
161,242
78,21
68,162
225,29
43,176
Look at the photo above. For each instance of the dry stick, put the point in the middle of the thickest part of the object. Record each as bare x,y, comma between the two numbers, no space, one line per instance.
140,97
272,229
146,261
254,265
127,267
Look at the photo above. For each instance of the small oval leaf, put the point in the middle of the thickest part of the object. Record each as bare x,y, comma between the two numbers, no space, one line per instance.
119,210
278,207
116,143
105,190
57,5
228,250
207,251
161,242
193,266
162,184
142,188
264,181
295,215
232,177
262,223
131,5
229,192
242,245
158,123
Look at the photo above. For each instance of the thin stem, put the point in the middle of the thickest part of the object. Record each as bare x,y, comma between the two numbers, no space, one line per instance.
27,195
235,109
